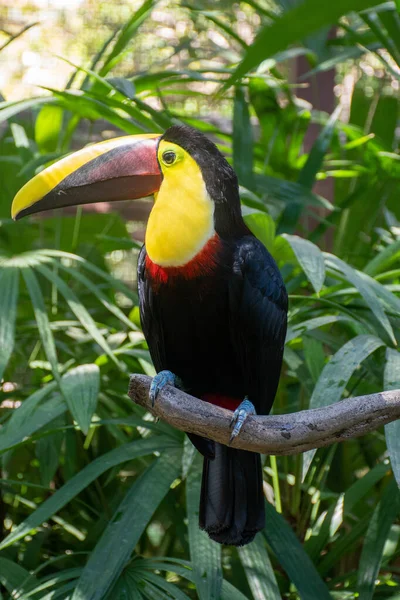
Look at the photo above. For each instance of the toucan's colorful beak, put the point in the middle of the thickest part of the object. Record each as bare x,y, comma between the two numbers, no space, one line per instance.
124,168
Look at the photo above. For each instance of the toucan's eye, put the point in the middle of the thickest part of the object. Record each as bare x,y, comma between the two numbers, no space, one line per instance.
169,157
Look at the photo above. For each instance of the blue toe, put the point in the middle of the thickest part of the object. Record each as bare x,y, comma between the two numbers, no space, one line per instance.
245,409
162,379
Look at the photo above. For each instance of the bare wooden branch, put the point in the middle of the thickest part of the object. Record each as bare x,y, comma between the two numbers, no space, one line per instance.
282,434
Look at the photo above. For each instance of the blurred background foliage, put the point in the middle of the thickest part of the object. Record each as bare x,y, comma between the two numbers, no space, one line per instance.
97,499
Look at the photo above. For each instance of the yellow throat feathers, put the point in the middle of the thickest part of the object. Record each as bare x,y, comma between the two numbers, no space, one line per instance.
182,219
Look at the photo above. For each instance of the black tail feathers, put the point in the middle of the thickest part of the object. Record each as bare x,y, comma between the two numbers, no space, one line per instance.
232,499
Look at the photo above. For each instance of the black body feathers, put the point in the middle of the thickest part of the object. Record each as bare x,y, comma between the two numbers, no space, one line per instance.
222,333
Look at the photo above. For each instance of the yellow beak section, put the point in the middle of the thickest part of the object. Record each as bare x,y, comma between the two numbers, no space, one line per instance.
124,168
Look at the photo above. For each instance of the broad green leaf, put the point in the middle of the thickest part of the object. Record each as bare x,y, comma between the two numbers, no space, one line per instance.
293,558
263,227
105,96
340,368
390,301
116,284
259,572
383,292
160,585
229,592
9,280
48,450
185,569
310,259
53,581
85,105
125,86
11,436
61,593
204,553
314,357
24,413
117,312
127,525
81,387
84,478
392,430
299,329
242,139
366,286
15,578
10,109
300,22
42,319
47,128
79,311
336,374
378,531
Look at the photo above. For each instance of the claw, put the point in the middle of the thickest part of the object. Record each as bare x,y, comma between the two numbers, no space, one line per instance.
245,409
162,379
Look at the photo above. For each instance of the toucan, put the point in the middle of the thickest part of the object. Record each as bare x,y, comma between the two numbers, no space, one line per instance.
213,304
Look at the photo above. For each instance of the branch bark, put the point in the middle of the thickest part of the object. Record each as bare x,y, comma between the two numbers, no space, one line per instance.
281,434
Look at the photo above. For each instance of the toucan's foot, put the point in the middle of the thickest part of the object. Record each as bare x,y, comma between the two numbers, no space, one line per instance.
162,379
245,409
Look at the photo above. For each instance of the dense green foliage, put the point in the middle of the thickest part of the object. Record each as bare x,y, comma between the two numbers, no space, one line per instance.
97,499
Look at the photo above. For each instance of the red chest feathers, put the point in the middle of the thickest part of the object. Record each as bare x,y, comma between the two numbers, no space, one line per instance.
204,263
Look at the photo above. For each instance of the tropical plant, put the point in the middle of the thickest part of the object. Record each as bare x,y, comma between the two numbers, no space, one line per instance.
99,500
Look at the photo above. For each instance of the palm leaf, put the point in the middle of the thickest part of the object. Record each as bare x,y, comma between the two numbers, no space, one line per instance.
310,259
84,478
127,525
293,558
81,387
79,311
293,25
9,280
336,374
377,534
204,553
42,319
259,572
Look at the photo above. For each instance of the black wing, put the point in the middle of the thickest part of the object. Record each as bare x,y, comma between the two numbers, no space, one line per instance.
258,311
149,317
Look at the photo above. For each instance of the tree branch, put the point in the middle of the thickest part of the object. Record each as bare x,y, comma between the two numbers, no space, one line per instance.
281,434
